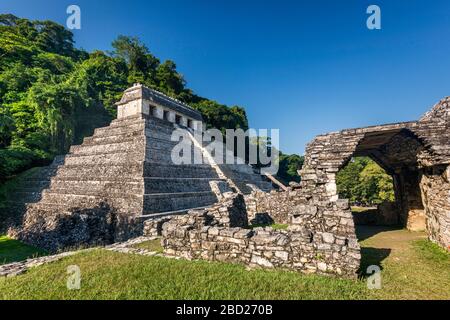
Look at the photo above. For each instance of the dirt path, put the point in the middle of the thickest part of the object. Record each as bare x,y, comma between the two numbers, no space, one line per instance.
412,268
388,237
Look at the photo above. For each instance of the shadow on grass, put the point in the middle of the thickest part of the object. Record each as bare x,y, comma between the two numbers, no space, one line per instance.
371,257
364,232
13,251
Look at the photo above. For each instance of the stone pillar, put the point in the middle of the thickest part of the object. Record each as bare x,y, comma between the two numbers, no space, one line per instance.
146,108
197,125
412,213
119,112
159,112
172,116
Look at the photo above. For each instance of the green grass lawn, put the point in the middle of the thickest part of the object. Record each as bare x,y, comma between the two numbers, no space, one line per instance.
275,226
111,275
413,269
13,250
356,209
151,245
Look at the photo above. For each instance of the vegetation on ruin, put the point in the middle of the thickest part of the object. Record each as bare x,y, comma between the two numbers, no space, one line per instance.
275,226
412,268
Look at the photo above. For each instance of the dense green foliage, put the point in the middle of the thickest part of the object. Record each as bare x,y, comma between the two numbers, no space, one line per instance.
288,167
364,182
53,94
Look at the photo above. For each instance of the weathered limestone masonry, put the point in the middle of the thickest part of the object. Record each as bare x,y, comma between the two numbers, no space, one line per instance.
416,154
275,206
103,190
220,234
321,235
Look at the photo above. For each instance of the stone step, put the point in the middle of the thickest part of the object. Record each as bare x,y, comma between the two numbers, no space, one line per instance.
123,202
96,187
263,186
167,185
97,148
162,144
157,156
152,124
93,140
100,171
126,121
129,203
238,168
177,201
156,141
156,215
114,130
179,171
241,175
111,158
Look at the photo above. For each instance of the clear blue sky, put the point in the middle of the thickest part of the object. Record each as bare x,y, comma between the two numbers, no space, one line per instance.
305,67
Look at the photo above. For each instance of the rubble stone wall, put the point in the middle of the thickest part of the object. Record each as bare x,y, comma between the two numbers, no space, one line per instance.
435,186
407,150
276,205
209,234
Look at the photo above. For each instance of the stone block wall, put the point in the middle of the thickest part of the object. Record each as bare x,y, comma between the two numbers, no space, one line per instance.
208,234
275,204
435,186
409,151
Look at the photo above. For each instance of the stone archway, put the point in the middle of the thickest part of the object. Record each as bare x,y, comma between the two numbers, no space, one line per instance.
397,151
416,154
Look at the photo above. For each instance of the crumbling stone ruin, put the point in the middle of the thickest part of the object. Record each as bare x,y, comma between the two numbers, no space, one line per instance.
121,183
416,154
321,235
211,234
126,168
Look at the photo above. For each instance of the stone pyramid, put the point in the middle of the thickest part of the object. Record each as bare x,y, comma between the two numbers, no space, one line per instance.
103,189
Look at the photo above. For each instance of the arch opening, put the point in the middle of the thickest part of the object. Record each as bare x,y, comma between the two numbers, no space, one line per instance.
389,181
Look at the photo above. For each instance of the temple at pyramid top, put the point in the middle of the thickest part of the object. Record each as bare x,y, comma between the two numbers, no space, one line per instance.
140,99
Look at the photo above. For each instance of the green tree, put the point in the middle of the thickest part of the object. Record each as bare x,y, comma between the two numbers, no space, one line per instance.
6,127
363,181
169,80
221,117
289,164
376,184
141,63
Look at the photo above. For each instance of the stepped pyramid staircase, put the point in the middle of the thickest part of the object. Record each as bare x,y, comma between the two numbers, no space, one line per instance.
128,167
